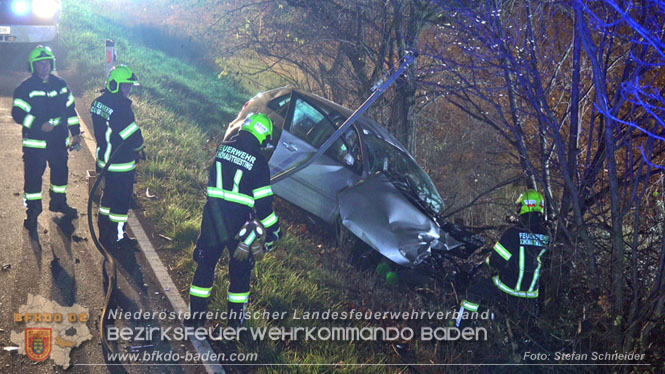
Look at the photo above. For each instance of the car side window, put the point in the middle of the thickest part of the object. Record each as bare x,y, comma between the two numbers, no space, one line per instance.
346,150
310,124
280,104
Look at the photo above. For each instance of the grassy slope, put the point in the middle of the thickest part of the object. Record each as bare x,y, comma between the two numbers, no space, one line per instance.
181,107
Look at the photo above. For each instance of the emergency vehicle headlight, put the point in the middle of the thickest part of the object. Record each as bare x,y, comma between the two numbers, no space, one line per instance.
20,7
45,8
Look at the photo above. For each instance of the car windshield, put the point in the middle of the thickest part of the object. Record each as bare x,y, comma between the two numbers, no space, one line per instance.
403,170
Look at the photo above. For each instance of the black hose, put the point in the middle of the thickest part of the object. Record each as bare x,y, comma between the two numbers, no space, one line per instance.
110,279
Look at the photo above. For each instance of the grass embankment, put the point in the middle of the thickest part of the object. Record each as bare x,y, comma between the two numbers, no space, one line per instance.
181,107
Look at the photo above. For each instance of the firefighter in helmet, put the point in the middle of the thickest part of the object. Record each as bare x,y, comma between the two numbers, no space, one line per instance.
238,213
44,106
515,265
119,141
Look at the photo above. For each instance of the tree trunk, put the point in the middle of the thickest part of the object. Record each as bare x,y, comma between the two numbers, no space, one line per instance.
616,232
403,101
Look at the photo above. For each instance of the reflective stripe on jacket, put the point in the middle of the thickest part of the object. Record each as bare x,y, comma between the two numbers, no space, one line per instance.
239,184
518,257
37,102
114,123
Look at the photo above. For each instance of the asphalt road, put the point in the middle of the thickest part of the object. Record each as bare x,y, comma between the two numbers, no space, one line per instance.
63,265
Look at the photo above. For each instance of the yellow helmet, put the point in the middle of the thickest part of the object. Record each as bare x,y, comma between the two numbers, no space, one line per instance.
41,53
120,74
532,201
259,125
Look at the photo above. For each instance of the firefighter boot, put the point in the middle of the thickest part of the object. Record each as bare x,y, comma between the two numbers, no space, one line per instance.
124,241
236,318
236,315
198,306
33,211
58,204
128,241
106,235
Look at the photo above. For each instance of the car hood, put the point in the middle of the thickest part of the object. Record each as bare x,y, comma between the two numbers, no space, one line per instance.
381,216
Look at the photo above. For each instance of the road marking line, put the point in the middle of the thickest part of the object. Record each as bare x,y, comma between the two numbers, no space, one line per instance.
162,275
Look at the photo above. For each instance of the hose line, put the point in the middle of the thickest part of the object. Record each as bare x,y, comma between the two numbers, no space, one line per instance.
109,278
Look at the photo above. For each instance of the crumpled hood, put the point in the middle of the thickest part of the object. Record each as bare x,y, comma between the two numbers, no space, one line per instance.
379,214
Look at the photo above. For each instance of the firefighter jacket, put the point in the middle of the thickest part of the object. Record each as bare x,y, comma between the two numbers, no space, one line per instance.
114,124
518,256
239,186
37,102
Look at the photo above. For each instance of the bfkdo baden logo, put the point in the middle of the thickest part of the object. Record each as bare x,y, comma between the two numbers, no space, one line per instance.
48,330
38,343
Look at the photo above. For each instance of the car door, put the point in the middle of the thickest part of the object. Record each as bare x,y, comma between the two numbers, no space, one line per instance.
314,188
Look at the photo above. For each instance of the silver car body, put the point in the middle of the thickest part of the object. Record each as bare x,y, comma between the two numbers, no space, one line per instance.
355,181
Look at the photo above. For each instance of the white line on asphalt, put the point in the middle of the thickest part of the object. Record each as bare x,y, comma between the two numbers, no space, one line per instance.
170,290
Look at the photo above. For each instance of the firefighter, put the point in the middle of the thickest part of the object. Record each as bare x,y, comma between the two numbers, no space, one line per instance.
45,107
119,141
515,265
239,193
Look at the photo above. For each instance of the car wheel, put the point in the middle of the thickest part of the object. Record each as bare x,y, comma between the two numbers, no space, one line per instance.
344,238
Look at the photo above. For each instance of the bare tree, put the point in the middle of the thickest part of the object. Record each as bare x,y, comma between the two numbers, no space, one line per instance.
338,49
564,85
638,27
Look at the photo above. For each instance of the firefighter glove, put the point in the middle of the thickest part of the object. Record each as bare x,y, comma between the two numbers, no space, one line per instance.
250,239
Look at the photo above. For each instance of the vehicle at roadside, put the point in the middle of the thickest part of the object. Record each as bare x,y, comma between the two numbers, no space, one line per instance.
29,21
366,183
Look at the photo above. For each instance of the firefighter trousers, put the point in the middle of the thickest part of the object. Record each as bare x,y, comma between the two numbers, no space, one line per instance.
34,162
116,199
206,257
483,295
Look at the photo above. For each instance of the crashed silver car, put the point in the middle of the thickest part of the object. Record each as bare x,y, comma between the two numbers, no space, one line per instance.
365,181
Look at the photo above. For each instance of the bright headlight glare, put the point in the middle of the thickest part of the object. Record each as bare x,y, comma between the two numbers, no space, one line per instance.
44,8
20,7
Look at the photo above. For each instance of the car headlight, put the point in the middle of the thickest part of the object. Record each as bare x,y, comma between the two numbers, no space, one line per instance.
20,7
45,8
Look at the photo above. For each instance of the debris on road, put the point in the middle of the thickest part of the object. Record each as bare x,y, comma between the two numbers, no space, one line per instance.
165,237
79,239
6,267
148,195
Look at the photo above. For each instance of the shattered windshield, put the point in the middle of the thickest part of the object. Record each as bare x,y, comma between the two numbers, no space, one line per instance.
403,170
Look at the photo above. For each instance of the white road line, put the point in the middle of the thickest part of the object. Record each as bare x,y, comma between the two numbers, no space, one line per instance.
168,287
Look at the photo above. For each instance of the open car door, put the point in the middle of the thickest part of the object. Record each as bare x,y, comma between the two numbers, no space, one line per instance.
314,187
